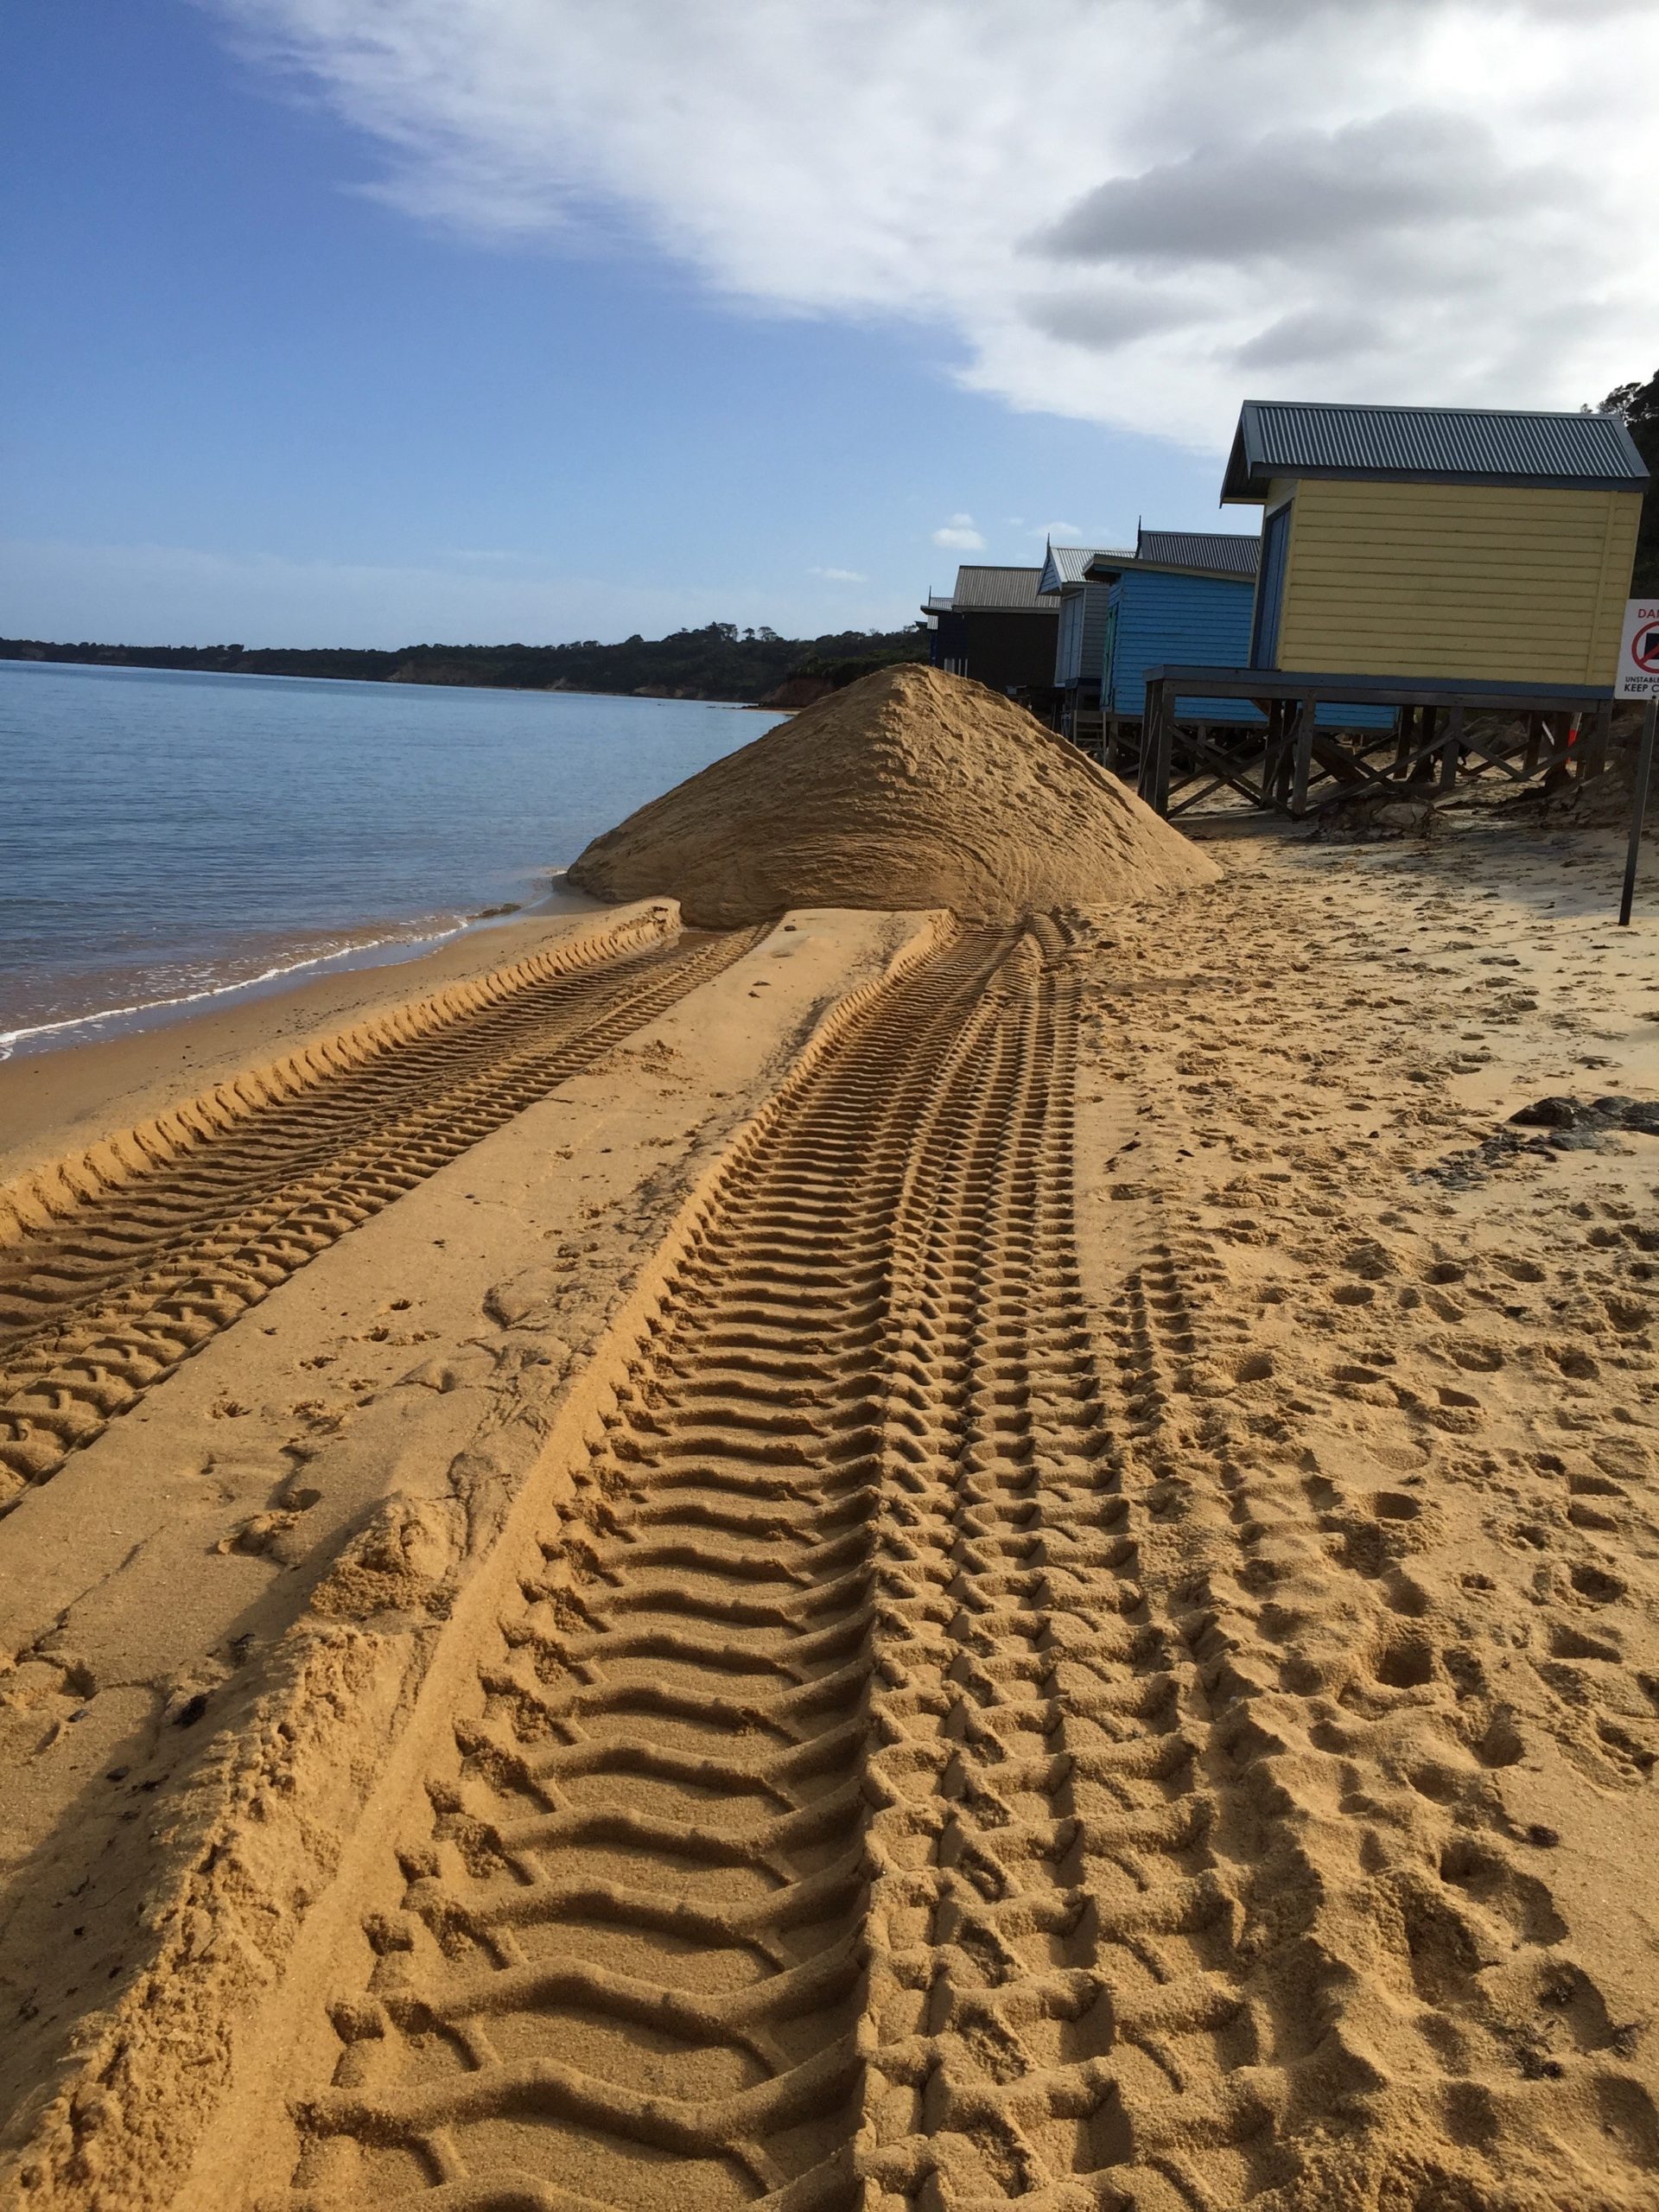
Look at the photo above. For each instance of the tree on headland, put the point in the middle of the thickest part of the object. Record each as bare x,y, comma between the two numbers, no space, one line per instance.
718,661
1639,405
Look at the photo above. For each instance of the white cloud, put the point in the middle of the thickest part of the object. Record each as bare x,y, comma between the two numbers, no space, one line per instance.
1133,211
840,575
959,536
1059,533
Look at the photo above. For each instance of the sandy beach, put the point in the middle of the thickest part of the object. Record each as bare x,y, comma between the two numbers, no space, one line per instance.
828,1166
974,1560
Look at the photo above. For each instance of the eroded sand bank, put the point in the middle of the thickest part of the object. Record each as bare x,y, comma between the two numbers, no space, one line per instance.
1106,1584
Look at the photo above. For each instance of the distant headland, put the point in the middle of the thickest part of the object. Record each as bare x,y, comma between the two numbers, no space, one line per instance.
718,662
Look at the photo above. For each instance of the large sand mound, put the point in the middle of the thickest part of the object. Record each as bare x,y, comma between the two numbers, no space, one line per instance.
910,788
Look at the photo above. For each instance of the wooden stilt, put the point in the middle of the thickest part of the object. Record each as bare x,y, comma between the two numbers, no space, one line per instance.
1451,748
1405,741
1304,755
1149,719
1596,740
1165,749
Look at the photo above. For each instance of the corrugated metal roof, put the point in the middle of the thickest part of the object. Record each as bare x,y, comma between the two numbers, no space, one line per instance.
1063,564
1003,591
1215,552
937,603
1234,554
1453,444
1066,564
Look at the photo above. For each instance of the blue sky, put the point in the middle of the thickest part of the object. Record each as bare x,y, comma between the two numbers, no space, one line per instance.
228,350
362,322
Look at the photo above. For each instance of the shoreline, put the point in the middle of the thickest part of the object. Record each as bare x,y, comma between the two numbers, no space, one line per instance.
69,1094
134,916
385,682
387,948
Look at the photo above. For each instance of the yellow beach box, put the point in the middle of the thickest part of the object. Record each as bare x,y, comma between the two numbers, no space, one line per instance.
1438,542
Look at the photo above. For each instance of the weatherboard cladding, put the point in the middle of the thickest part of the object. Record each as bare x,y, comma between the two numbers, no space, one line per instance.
1068,639
1484,581
1445,444
1080,633
998,629
1082,638
1096,600
1187,621
1195,621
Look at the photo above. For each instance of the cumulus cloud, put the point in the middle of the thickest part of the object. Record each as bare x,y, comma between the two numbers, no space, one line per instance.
1082,202
959,536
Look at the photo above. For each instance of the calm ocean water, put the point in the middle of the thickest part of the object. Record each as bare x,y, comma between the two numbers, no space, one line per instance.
163,837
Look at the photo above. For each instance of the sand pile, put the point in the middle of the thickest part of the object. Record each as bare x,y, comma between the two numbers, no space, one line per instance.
910,788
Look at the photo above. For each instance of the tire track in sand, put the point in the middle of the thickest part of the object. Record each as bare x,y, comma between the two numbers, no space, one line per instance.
1053,2011
628,1967
831,1833
882,1795
828,1830
99,1305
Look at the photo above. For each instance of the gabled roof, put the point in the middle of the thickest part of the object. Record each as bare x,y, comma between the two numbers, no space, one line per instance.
1003,591
1418,445
1231,555
1066,564
937,603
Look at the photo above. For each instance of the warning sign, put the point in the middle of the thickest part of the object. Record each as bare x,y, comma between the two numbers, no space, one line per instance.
1638,651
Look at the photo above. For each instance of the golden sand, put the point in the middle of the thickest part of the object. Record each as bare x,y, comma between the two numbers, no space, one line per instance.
909,788
1014,1562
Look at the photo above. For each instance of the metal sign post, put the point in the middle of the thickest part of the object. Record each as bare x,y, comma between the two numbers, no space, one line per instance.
1638,808
1638,678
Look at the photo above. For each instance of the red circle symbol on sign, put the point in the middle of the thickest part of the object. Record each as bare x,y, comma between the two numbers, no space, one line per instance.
1645,649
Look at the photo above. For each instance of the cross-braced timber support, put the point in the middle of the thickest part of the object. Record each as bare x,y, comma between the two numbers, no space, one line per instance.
1443,738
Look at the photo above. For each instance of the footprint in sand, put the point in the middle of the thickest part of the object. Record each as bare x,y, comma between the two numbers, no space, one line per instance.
1595,1585
1393,1505
1584,1514
1405,1664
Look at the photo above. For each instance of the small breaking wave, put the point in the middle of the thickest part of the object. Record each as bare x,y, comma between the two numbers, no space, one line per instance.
137,1015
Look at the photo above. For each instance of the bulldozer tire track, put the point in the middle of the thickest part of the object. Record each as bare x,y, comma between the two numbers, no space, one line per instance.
102,1297
762,1867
